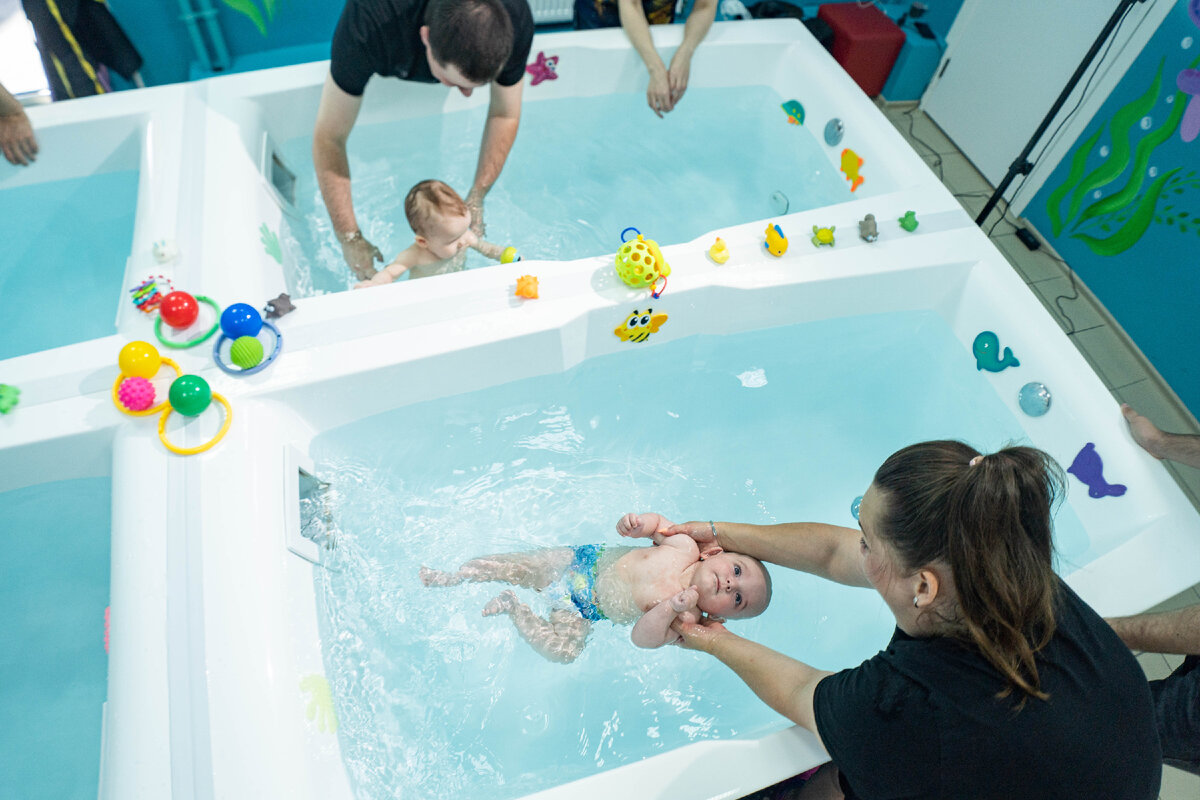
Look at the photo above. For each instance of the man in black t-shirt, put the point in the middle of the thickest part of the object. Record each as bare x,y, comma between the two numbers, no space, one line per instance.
465,44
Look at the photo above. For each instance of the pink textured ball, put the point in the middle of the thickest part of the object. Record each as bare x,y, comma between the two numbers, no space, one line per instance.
136,394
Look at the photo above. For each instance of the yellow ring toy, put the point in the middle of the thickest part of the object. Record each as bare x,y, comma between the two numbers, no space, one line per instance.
152,410
191,451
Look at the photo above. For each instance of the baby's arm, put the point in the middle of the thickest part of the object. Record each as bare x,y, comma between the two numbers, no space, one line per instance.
643,526
494,251
654,628
400,265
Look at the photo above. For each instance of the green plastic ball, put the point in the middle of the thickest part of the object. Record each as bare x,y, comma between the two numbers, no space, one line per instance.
246,352
189,395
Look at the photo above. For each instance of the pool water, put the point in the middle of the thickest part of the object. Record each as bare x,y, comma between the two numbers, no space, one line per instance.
769,426
723,157
53,668
63,261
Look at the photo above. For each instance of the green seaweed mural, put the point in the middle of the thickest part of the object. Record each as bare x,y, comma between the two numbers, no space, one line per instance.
259,17
270,243
1115,222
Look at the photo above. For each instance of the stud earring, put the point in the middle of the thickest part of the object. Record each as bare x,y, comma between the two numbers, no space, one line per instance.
916,602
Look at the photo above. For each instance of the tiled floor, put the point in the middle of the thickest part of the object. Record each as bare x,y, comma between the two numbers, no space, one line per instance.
1122,367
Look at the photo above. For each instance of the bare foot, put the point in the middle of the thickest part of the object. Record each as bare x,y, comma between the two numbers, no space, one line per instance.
501,603
1144,432
435,577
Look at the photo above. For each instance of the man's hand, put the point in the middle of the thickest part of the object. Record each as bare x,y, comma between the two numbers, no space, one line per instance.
360,255
475,206
16,138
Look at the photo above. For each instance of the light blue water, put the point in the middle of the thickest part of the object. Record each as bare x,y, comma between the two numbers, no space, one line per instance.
582,169
65,244
53,668
778,425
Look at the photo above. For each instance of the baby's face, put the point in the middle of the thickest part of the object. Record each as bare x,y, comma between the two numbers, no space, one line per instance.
450,234
731,585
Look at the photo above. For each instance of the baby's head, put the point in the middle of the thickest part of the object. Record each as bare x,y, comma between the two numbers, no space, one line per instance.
731,585
439,218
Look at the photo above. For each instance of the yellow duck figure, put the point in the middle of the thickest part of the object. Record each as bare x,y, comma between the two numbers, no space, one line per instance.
719,252
776,242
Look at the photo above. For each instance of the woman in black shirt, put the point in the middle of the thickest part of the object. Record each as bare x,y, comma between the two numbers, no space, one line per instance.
999,682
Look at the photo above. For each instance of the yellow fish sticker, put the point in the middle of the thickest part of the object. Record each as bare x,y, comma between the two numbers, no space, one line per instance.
638,326
776,242
851,163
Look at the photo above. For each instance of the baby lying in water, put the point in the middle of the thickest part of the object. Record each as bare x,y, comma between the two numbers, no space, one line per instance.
647,586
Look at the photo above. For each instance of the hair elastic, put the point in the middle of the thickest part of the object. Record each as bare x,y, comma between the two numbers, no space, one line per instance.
974,461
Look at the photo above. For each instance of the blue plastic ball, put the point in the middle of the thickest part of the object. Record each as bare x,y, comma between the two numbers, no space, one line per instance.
1034,399
855,505
240,320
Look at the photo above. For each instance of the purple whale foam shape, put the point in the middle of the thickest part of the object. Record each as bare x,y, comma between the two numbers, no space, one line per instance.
1088,467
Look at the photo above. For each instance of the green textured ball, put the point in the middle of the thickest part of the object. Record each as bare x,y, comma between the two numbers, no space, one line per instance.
246,352
189,395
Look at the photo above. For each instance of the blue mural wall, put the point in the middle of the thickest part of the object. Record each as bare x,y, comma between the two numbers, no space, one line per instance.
1123,207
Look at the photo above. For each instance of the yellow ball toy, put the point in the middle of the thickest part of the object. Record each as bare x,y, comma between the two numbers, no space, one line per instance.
640,263
139,360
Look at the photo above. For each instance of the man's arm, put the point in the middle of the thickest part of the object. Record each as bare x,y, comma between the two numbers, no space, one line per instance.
17,141
335,119
828,551
633,20
499,133
1168,632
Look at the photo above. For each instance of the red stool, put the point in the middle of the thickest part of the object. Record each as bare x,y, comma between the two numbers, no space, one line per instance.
865,42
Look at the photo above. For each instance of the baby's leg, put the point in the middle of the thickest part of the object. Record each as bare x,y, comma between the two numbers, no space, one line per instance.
536,569
560,638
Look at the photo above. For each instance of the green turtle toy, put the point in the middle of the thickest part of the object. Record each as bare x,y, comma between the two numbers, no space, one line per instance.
823,236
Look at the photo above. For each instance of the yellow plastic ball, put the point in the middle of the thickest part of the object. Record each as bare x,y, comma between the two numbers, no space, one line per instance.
139,360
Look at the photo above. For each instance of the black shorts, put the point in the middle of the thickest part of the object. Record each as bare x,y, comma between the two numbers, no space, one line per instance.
1177,712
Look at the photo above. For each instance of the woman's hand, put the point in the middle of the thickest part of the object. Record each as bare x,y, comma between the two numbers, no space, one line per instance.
703,532
17,141
677,75
658,94
699,635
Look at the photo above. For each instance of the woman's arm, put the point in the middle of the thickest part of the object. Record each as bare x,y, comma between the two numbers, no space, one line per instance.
699,20
783,683
637,28
828,551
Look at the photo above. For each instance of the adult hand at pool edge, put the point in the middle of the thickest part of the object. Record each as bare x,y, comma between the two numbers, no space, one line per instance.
658,94
360,255
16,138
677,76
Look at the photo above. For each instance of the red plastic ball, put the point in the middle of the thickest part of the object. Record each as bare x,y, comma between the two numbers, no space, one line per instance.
179,309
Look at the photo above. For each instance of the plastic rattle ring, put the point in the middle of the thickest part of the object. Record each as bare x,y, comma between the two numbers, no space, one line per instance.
257,367
153,409
197,340
191,451
636,232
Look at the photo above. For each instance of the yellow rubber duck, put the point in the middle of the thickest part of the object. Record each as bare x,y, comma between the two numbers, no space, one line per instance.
776,242
719,252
